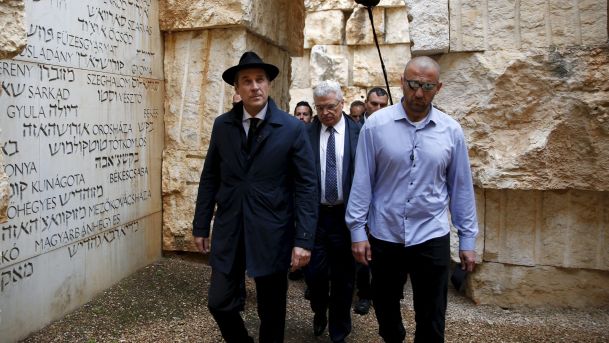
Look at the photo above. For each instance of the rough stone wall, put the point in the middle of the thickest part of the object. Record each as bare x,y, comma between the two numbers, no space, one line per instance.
277,21
12,28
483,25
202,39
564,229
509,285
527,80
339,45
536,118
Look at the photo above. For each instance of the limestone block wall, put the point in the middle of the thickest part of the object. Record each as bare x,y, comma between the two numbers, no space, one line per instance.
277,21
339,45
482,25
566,228
537,119
203,39
82,135
12,28
527,81
430,26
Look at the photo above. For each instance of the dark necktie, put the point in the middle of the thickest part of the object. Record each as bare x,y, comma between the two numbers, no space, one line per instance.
331,184
251,133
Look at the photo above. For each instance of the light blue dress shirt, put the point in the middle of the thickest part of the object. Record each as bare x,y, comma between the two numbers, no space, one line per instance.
407,177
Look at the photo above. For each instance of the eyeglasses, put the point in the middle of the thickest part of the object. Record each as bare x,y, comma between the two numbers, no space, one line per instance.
330,107
414,85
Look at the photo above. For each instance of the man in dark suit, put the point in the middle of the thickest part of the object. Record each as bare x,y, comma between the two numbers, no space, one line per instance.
356,110
331,271
259,174
376,99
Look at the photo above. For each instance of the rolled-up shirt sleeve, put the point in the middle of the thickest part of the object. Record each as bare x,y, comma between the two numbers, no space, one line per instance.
361,190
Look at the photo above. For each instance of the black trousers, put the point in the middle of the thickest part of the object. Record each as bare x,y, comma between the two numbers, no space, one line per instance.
331,271
362,281
226,300
428,266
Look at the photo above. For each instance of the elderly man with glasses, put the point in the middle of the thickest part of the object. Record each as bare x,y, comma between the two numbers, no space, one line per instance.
333,136
411,168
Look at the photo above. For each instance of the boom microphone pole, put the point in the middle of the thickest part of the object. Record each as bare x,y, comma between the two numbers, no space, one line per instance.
369,4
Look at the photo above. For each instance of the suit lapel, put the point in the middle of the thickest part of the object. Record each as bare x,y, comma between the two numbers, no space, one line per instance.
315,133
354,130
234,128
346,151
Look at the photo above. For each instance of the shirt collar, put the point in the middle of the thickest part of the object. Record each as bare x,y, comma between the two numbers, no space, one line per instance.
339,127
432,116
260,115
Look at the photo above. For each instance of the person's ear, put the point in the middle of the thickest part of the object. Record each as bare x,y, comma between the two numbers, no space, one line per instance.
438,86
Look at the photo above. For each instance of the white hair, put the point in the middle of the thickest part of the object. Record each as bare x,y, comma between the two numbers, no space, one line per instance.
324,88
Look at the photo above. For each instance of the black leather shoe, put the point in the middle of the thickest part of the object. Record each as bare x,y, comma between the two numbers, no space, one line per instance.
319,323
362,307
296,275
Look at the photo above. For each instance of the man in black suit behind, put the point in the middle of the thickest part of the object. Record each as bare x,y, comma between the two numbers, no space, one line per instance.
376,99
259,174
331,271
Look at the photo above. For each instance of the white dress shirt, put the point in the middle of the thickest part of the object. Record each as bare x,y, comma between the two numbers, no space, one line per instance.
339,144
246,116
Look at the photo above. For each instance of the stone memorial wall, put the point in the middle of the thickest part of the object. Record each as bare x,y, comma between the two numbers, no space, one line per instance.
81,112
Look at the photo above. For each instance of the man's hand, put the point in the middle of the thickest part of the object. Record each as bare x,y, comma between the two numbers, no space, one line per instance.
300,258
361,252
468,259
202,244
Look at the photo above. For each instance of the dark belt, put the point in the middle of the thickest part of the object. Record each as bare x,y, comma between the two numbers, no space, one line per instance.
331,207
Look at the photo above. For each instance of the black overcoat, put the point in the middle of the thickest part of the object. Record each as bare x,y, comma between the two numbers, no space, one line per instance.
268,195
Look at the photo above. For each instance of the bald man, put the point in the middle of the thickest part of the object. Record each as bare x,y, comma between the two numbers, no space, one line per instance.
411,168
